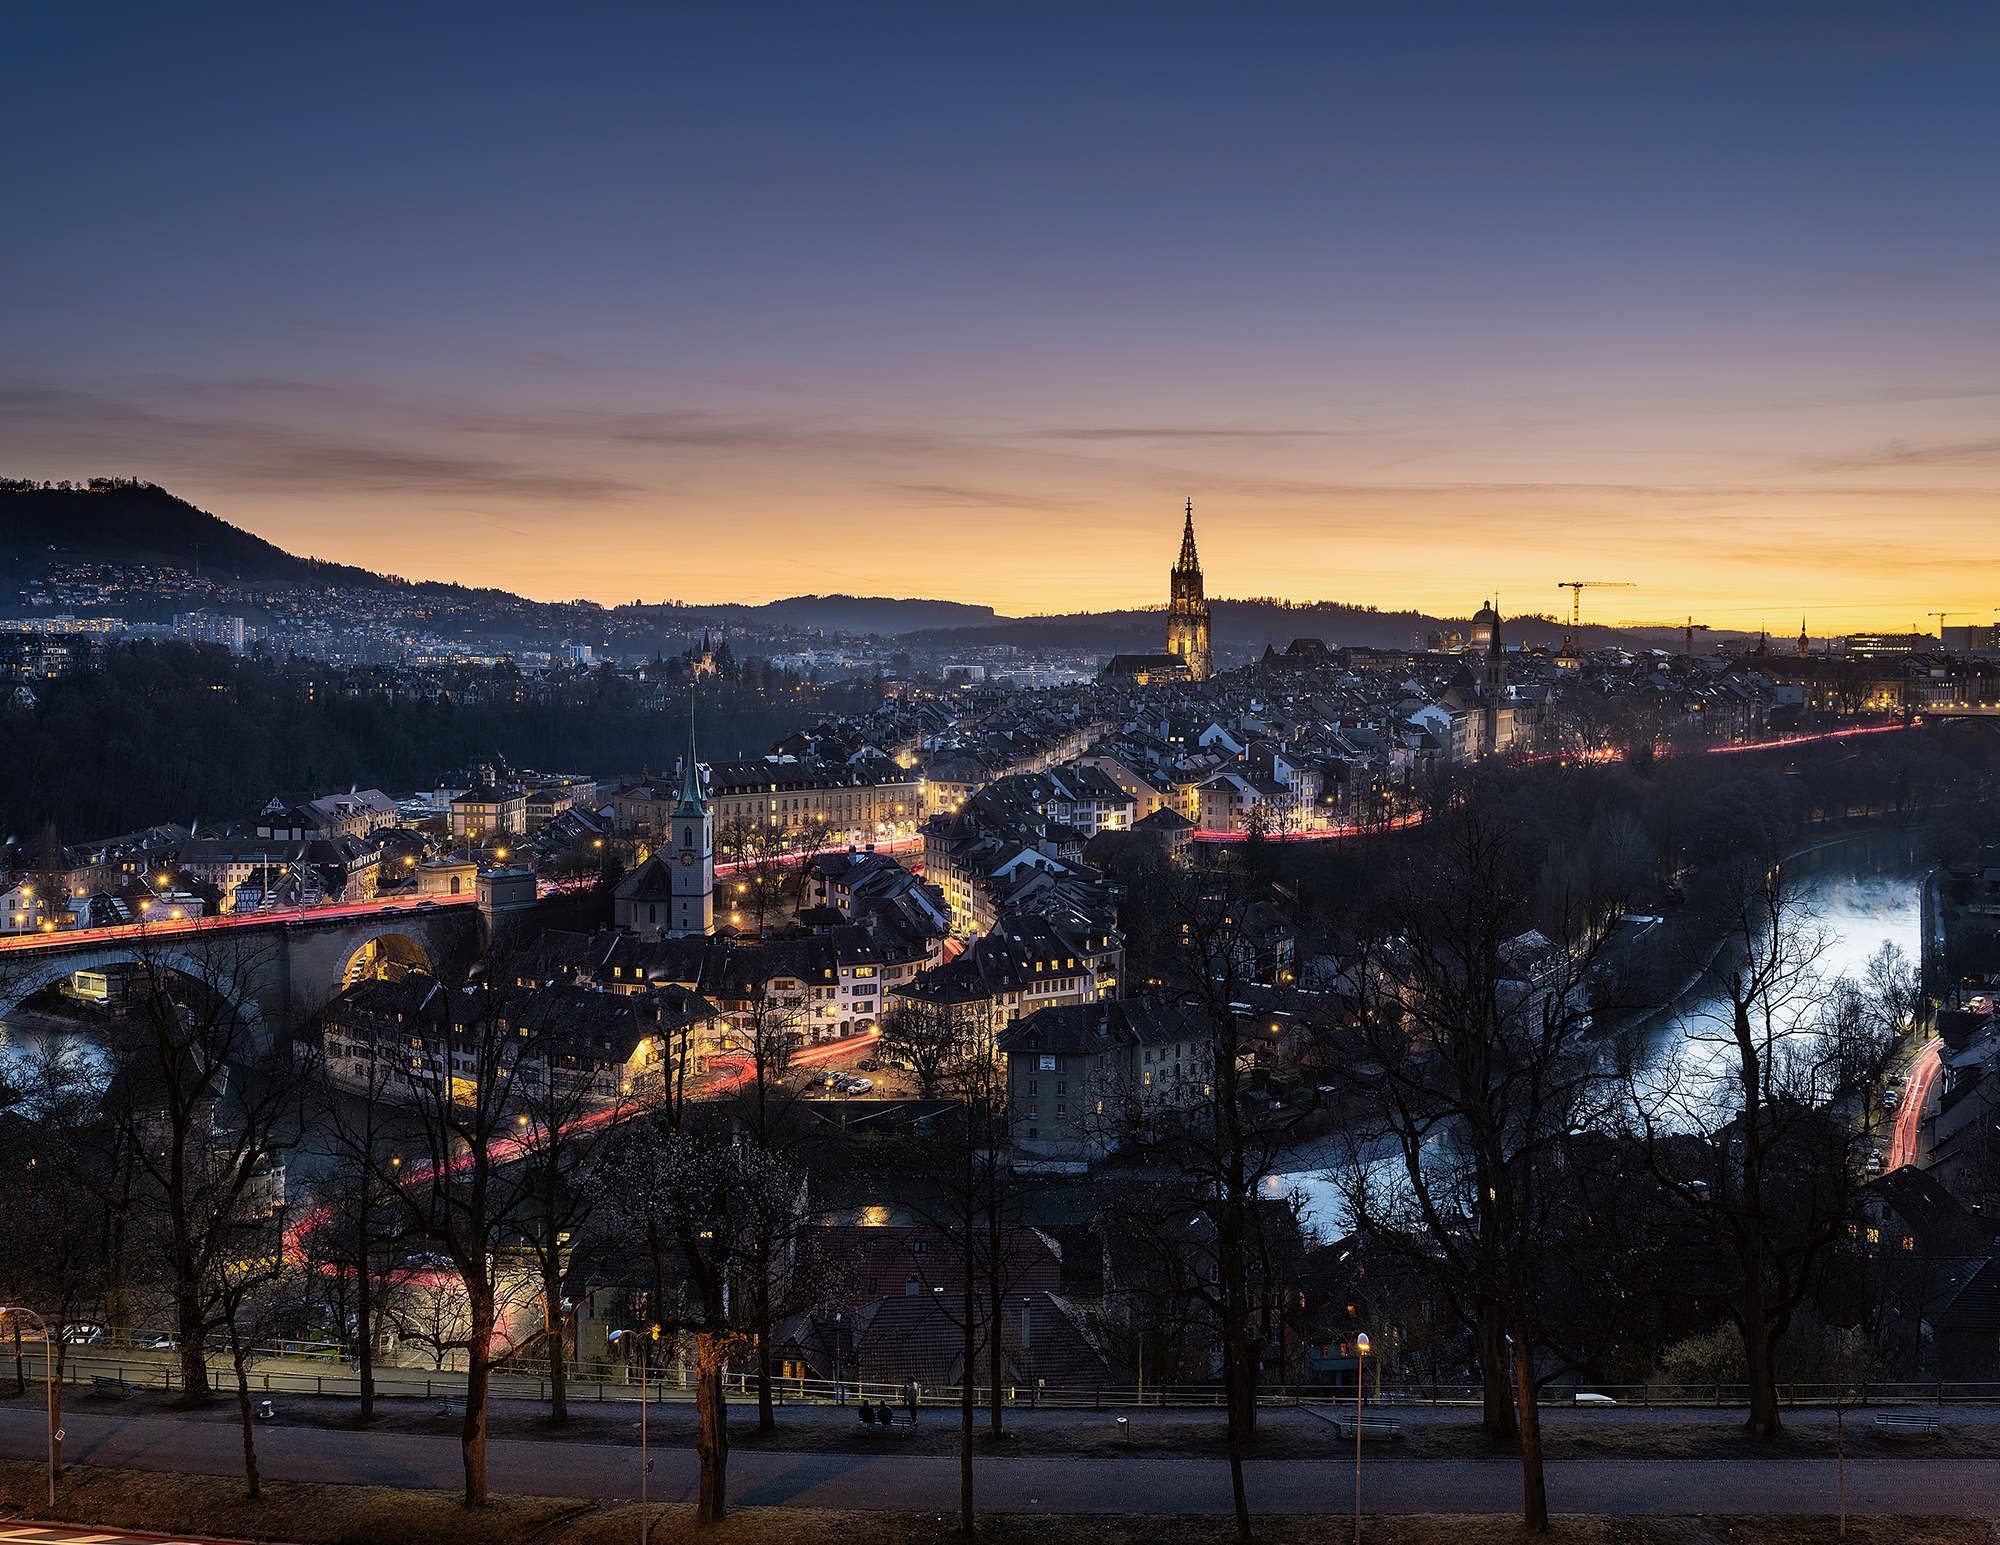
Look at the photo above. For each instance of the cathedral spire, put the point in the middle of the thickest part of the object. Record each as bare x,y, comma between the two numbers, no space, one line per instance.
1189,563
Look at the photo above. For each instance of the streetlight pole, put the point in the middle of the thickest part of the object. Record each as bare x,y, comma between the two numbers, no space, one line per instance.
645,1464
1360,1352
49,1371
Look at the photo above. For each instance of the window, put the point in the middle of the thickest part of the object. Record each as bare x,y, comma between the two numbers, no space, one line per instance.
1032,1088
1062,1086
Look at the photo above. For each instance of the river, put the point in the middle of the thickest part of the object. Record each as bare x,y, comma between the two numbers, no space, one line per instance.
1863,892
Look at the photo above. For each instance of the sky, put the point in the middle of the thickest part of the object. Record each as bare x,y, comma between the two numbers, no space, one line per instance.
1418,303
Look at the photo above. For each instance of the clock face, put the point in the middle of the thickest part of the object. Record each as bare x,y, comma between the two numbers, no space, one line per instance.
687,859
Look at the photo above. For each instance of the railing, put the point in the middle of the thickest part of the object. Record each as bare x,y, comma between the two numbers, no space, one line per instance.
599,1381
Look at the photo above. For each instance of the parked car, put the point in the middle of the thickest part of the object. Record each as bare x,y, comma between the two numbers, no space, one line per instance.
860,1085
869,1065
1890,1099
1875,1163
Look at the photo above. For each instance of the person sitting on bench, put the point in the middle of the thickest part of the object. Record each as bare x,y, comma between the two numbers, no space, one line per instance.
867,1414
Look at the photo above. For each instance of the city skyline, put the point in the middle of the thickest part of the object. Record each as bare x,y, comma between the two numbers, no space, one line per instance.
1416,309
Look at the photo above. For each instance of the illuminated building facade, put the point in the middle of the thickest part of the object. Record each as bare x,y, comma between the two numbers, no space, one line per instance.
1187,608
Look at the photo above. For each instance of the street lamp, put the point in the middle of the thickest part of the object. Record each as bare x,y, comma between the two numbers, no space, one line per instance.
1360,1352
645,1464
49,1371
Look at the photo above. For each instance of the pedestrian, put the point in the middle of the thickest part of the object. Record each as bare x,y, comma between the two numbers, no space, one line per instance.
910,1394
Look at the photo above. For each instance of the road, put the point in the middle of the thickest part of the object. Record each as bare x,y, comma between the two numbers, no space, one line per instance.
1016,1485
1905,1146
130,933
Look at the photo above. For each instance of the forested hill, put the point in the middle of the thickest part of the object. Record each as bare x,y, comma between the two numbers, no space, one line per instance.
125,521
182,732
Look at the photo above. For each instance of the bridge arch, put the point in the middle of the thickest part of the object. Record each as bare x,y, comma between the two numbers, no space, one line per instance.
35,973
389,954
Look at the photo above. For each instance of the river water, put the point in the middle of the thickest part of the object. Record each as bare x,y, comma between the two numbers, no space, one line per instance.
1862,892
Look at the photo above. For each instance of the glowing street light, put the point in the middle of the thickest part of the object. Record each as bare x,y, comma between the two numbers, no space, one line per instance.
1360,1352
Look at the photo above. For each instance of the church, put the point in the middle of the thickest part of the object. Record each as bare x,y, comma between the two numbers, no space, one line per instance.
672,894
1487,716
1188,656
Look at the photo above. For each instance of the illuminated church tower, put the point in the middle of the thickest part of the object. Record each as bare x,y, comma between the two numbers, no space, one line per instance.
1187,610
692,843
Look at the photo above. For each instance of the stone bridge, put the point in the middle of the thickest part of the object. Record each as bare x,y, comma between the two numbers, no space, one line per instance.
282,968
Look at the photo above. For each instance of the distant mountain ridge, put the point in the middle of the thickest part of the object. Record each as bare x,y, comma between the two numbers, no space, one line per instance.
129,521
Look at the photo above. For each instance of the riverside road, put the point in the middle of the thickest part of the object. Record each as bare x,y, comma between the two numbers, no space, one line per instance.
1139,1484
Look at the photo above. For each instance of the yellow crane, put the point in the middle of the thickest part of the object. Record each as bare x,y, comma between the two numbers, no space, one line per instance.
1576,588
1941,617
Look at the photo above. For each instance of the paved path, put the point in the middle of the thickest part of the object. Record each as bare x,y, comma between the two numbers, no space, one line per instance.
1018,1485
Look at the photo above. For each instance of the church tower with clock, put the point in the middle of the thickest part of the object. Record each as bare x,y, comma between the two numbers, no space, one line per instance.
691,843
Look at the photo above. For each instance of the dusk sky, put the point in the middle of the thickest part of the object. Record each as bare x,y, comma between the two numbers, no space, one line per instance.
1416,302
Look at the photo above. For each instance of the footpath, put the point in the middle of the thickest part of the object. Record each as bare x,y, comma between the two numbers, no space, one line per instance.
892,1476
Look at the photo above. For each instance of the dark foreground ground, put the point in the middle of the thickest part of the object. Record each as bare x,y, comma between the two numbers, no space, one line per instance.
304,1513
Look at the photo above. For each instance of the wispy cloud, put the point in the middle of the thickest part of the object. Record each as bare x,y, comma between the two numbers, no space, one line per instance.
1907,453
1170,432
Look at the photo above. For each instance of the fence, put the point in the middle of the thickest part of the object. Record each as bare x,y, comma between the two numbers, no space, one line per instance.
597,1382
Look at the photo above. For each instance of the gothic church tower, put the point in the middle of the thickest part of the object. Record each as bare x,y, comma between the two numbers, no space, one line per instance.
1187,608
692,844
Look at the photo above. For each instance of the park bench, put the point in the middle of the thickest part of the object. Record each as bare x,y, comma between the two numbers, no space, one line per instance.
1371,1427
116,1387
452,1405
1906,1426
897,1421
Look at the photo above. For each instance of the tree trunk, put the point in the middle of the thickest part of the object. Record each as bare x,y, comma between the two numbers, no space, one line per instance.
1496,1376
559,1372
1241,1496
244,1413
1760,1364
712,1436
996,1352
365,1332
1233,1381
1534,1486
20,1368
194,1353
968,1398
478,1377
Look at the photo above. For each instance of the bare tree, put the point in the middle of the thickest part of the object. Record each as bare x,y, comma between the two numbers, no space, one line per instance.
1752,1124
54,1225
1468,1040
192,1055
1204,940
468,1055
563,1126
933,1039
354,1229
701,1197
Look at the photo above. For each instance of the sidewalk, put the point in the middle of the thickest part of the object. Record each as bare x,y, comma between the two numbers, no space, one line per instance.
893,1478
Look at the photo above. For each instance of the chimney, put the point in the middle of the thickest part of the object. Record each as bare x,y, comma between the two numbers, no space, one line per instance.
911,1287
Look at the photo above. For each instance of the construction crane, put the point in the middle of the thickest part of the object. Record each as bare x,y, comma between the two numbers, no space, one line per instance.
1686,628
1941,617
1576,588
